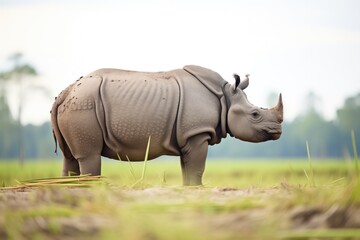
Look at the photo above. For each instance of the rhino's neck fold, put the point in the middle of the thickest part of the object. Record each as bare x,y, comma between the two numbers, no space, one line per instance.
226,91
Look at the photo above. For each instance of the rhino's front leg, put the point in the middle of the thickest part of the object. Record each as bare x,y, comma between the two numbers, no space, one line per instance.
193,156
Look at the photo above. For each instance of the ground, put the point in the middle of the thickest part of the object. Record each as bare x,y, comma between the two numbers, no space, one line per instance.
273,203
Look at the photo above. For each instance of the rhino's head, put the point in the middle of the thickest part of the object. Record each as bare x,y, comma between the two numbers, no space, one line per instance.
248,122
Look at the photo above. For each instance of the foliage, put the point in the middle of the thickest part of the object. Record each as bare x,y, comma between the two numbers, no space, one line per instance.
38,141
18,71
8,143
349,115
16,74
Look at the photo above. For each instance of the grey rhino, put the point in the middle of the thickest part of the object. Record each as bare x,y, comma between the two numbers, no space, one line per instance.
113,112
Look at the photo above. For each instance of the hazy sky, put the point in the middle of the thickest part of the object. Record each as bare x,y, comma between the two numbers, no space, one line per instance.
287,46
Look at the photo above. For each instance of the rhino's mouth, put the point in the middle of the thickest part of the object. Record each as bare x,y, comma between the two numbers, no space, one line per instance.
274,132
276,136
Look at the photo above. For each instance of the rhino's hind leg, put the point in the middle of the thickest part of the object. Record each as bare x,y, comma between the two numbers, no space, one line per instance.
83,135
193,156
70,166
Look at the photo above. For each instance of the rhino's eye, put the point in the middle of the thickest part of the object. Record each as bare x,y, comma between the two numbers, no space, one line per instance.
255,115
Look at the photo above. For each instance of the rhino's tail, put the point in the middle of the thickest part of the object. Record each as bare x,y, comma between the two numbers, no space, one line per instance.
55,140
58,137
54,124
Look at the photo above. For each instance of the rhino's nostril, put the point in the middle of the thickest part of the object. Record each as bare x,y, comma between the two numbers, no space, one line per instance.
280,118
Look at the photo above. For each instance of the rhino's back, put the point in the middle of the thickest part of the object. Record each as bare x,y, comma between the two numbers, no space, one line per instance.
138,105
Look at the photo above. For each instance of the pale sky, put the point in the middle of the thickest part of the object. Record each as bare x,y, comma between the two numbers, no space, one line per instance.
291,47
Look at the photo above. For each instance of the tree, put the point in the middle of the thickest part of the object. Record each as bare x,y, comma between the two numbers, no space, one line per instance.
312,104
349,119
7,126
349,114
16,74
322,135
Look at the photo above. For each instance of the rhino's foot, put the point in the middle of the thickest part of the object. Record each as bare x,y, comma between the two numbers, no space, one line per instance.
192,172
192,183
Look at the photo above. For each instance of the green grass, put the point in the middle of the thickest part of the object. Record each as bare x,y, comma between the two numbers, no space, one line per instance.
254,199
218,173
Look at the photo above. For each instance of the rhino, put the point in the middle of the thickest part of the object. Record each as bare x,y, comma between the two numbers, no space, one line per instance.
114,113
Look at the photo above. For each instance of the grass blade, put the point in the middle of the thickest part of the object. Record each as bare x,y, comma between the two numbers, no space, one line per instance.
312,181
307,176
146,158
131,167
141,180
356,159
119,158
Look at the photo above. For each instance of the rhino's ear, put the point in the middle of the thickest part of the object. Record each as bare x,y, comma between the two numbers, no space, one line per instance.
237,81
244,84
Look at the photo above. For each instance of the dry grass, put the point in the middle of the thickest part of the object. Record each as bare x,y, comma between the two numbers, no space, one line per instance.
70,181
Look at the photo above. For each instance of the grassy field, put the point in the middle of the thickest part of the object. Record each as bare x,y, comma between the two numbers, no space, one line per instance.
246,199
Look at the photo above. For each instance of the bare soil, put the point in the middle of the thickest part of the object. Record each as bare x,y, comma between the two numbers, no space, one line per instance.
113,212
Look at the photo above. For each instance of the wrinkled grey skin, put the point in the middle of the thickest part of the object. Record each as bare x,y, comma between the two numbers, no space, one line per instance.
113,112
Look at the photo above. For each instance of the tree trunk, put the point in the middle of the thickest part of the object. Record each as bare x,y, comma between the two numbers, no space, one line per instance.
20,127
21,138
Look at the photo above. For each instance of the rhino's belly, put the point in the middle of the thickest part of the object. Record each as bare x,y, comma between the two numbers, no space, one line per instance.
136,107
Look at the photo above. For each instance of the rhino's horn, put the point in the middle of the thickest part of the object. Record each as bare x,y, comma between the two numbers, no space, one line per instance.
279,109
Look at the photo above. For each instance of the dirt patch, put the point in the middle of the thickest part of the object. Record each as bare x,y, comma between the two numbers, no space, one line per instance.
214,213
